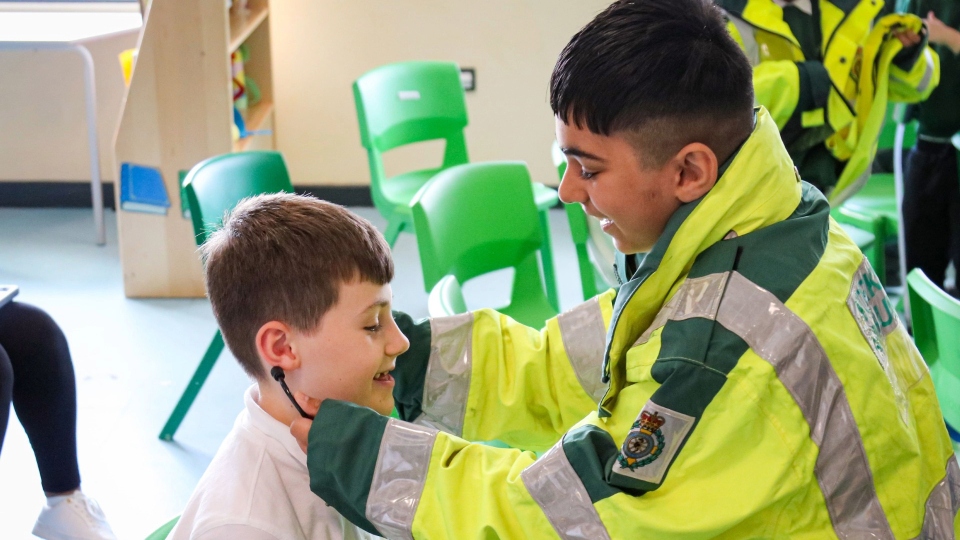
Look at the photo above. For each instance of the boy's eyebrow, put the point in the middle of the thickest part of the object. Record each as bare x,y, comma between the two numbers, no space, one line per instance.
378,304
576,152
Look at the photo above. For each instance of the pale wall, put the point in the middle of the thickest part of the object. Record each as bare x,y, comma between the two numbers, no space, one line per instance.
43,126
321,47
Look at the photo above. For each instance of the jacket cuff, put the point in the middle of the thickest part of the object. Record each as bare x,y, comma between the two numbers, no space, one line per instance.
908,56
342,456
411,370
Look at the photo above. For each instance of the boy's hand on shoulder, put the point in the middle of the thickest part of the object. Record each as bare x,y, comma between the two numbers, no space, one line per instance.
300,428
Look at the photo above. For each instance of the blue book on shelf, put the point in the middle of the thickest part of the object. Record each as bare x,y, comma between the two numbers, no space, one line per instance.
142,189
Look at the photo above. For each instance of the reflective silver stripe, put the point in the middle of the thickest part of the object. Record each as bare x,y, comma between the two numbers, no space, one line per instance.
555,486
398,478
783,339
928,72
697,297
942,505
750,46
584,338
447,382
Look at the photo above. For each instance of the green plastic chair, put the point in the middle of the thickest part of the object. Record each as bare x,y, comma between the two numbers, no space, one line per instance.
411,102
874,207
592,280
213,187
164,531
474,219
936,325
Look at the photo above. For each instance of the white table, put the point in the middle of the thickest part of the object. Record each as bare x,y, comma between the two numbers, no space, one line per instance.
64,31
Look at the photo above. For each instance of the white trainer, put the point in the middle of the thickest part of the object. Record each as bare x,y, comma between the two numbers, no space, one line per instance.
76,517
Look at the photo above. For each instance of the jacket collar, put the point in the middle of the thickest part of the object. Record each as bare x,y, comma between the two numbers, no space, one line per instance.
759,187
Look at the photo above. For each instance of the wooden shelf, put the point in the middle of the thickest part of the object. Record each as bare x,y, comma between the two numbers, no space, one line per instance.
242,26
254,118
177,112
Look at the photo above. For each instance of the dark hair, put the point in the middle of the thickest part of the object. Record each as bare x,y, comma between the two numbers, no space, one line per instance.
283,257
669,68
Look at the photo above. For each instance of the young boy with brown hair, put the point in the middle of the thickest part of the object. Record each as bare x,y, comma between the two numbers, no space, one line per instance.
301,290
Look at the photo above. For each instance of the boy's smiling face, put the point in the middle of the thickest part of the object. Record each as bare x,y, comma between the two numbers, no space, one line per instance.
606,176
350,355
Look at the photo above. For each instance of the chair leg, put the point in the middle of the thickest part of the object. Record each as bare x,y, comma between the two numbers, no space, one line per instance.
394,226
546,259
193,388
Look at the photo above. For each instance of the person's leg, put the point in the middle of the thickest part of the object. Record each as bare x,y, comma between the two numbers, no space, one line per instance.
44,395
954,215
6,393
925,209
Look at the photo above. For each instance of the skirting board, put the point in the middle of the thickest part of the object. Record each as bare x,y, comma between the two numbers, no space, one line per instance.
77,194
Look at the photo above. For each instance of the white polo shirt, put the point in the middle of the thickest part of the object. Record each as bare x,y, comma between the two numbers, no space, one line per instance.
258,488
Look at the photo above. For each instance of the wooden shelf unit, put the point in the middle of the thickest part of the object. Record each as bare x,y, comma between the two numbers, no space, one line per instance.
177,112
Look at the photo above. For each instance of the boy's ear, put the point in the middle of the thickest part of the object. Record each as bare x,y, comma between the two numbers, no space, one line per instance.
275,345
697,171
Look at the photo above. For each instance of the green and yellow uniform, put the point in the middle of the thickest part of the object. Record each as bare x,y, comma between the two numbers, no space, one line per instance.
750,381
826,79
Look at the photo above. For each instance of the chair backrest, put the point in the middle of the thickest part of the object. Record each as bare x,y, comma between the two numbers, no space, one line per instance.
936,322
474,219
214,186
411,102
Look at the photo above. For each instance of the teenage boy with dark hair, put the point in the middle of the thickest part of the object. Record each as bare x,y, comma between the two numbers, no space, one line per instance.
753,383
301,290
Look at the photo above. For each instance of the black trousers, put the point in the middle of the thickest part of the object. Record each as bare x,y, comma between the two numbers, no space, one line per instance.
931,209
36,376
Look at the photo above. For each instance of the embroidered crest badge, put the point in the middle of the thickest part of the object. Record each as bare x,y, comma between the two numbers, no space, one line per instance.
652,443
644,443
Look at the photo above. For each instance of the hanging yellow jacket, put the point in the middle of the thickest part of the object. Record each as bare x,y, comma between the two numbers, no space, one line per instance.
839,99
755,384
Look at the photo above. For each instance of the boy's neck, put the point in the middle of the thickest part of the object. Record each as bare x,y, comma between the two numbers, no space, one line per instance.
275,403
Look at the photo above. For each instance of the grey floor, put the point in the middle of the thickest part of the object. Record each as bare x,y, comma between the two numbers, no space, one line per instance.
134,357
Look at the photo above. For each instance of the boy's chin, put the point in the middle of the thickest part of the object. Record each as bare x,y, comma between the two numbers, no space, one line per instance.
383,408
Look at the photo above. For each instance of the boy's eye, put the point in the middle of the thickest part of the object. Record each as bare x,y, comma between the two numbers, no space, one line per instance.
374,328
586,175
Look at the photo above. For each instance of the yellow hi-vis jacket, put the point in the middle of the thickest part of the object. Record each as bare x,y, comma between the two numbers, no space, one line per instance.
755,384
839,99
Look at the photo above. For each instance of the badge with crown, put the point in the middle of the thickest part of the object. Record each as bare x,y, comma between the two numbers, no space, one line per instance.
644,443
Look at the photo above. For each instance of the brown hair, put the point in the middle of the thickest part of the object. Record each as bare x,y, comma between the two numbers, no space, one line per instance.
282,257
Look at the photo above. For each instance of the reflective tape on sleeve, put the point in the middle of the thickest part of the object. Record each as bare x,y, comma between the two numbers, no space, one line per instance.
584,338
398,478
447,383
554,484
942,505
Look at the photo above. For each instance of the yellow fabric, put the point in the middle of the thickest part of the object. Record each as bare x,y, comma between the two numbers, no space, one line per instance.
747,470
526,394
856,142
858,54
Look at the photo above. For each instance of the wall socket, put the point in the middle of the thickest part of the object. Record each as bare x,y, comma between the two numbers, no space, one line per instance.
468,78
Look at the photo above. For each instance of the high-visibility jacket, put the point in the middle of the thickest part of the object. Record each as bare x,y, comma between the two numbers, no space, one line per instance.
750,381
840,98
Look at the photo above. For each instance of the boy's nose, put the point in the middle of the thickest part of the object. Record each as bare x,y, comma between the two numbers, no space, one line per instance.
398,344
568,191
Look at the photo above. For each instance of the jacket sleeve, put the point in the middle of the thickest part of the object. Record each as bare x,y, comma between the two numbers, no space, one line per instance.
403,480
485,377
915,82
